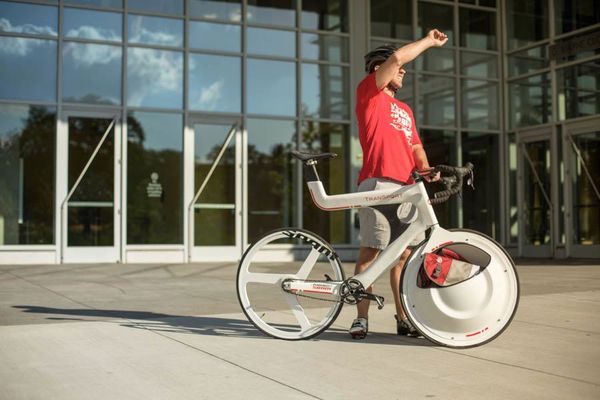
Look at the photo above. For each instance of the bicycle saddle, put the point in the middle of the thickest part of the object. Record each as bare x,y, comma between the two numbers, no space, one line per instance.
305,157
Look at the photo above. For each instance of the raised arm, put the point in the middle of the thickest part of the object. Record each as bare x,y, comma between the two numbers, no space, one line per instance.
405,54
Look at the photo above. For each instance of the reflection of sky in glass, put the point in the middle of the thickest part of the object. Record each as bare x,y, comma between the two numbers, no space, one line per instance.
91,73
12,120
162,131
436,101
27,69
264,134
159,6
215,83
271,87
324,91
98,3
154,78
28,18
230,10
154,30
324,47
271,42
285,15
221,37
98,25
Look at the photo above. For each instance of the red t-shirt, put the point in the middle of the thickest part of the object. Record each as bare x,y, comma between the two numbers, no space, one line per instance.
387,132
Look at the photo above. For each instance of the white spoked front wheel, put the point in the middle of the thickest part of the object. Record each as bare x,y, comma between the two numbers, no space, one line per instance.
259,284
469,313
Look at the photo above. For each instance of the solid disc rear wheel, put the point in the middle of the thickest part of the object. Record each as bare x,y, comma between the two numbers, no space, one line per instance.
259,284
469,313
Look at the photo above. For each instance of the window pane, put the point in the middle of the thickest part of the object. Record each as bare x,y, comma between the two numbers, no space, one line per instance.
576,47
392,18
324,47
154,78
220,37
435,16
271,189
437,60
272,12
530,101
480,104
481,210
230,10
27,69
272,89
27,174
91,73
325,137
579,90
477,29
215,209
478,64
215,83
97,25
326,15
280,43
325,91
98,3
526,21
154,178
28,18
442,148
154,30
436,101
575,14
529,60
157,6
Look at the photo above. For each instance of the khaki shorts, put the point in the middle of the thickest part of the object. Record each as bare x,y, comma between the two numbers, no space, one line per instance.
380,225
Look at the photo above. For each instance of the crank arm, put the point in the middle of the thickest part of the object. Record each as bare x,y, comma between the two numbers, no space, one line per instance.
299,286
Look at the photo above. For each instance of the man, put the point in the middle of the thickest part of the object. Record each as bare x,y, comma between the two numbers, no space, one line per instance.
392,149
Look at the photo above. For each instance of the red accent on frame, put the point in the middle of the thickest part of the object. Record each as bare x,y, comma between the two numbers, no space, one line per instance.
477,333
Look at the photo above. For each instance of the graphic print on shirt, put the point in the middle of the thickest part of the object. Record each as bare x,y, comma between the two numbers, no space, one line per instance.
402,122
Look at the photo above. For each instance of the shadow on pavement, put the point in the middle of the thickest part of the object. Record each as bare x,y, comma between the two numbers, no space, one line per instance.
204,325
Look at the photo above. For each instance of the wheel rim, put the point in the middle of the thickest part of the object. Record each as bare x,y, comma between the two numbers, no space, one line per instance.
470,313
267,306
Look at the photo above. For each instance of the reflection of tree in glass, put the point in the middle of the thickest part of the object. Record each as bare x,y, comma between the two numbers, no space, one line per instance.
270,194
34,145
152,220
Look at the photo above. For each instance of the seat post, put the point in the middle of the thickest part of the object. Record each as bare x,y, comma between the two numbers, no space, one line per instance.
310,171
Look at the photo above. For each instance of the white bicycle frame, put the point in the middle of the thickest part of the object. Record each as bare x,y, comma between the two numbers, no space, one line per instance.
414,194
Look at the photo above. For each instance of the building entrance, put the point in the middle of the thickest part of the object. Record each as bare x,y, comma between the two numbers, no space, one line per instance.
535,177
88,187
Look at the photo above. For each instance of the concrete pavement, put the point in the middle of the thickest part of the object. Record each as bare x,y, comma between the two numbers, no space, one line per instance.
176,332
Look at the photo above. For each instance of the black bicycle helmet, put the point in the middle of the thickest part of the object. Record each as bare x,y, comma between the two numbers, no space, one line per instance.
378,56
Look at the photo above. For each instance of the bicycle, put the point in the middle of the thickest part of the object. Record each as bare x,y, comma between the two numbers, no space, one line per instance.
467,313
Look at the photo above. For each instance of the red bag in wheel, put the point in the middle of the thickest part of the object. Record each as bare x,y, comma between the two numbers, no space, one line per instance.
447,268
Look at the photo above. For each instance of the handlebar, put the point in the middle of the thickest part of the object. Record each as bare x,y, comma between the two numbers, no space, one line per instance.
453,180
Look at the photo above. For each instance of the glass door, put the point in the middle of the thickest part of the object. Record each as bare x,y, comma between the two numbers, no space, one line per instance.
535,192
89,192
582,153
215,213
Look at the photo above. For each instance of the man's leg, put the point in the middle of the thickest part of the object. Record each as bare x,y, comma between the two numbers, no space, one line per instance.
366,256
395,274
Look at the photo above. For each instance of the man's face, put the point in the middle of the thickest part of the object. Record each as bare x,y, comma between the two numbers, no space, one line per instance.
397,81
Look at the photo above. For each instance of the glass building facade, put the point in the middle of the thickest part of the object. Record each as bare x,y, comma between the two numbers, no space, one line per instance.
145,131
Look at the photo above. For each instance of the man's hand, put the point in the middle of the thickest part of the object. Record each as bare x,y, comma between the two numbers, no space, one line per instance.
437,38
432,177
